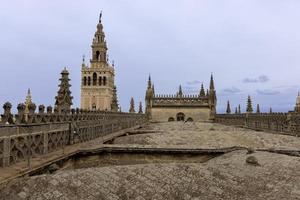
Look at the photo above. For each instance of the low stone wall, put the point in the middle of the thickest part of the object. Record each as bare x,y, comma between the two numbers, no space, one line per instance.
43,133
163,114
284,123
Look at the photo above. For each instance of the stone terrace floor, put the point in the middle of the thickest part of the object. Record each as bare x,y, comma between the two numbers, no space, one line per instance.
227,177
208,135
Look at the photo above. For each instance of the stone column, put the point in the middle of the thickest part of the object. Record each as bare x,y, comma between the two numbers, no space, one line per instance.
45,138
6,152
71,132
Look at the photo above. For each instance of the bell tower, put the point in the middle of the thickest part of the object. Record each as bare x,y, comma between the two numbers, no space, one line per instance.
97,85
99,48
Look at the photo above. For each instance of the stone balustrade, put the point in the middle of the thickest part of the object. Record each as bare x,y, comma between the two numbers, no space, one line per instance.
29,135
284,123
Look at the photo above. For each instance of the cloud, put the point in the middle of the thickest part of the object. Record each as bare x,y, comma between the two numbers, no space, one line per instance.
260,79
287,87
195,82
267,92
232,90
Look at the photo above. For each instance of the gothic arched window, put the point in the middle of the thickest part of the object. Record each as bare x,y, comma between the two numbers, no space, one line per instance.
84,81
180,116
100,80
89,80
98,55
94,78
104,80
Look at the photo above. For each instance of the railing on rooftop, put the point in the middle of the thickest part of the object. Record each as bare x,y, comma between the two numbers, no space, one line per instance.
284,123
27,135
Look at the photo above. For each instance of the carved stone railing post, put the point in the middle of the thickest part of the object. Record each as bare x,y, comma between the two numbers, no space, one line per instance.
45,138
49,110
20,117
31,117
41,114
71,132
41,109
6,152
7,117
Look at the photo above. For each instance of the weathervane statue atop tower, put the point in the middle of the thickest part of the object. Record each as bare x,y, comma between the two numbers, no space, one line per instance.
100,16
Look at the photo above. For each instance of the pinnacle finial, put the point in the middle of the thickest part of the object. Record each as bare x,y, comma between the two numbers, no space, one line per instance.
132,110
83,59
228,110
149,82
202,91
100,16
153,90
140,108
249,105
257,108
113,63
180,93
212,85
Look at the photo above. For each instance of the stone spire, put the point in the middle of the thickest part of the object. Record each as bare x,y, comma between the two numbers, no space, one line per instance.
180,93
212,98
63,100
149,82
202,91
297,107
236,110
271,110
249,105
153,90
228,110
257,109
114,102
149,91
149,97
132,109
239,109
28,101
140,108
99,47
212,84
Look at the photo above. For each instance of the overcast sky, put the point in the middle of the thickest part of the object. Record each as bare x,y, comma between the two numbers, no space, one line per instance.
251,46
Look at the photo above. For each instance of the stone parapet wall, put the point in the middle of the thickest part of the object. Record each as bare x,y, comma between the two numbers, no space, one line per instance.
285,123
43,133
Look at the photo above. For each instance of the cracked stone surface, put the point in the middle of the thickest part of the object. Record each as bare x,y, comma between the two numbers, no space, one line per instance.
225,177
209,135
